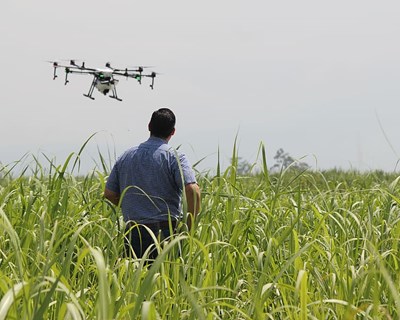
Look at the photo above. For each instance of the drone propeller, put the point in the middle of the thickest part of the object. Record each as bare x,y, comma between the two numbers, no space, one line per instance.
74,64
151,75
54,63
141,68
71,62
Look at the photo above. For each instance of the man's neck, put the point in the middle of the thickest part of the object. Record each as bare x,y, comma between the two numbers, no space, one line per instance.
164,139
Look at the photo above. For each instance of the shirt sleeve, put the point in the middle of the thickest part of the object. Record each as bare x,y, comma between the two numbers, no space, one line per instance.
113,180
187,171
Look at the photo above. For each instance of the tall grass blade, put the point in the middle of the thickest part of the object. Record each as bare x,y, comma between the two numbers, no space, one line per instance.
9,298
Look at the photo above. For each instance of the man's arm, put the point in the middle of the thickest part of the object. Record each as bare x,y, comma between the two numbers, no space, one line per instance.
112,196
193,194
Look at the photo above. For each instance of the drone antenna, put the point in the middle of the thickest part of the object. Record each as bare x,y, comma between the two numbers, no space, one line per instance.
108,65
83,65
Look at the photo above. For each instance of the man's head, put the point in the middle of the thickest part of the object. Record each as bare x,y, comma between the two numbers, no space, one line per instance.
162,123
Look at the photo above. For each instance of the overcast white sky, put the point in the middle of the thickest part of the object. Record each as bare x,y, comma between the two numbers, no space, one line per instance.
319,79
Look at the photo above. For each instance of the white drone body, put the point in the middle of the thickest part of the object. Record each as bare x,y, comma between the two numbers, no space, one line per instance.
105,86
104,79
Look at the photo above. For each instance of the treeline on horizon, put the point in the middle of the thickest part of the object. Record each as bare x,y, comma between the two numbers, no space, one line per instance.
285,168
284,165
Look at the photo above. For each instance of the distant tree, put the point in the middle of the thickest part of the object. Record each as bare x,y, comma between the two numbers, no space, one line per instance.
284,160
243,167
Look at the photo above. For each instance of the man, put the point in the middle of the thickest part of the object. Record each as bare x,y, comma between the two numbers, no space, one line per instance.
150,179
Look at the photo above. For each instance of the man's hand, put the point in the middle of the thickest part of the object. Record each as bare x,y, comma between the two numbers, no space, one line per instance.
193,194
112,196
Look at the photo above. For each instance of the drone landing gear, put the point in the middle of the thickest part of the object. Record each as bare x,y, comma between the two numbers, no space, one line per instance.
114,94
89,94
104,87
90,97
116,98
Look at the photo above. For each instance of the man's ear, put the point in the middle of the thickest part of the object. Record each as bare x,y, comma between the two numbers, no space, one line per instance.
173,132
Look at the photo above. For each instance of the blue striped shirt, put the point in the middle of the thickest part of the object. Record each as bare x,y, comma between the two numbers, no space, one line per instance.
150,179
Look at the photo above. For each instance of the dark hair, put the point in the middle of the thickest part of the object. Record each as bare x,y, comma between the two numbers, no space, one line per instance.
162,123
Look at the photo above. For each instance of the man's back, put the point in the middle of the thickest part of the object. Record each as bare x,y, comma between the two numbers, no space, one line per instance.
149,179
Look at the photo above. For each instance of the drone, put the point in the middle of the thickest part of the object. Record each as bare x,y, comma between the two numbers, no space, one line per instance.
104,79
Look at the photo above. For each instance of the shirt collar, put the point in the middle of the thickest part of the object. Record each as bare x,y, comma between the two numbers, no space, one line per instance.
157,140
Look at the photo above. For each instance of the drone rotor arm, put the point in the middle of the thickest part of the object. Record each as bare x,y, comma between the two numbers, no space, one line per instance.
120,73
133,75
87,69
80,71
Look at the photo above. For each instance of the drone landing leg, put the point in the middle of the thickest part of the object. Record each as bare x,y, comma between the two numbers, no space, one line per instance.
89,95
114,96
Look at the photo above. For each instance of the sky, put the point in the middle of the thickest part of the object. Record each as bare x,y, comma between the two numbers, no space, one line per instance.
319,79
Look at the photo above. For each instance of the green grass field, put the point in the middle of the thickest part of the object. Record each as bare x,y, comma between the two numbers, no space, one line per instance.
288,245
